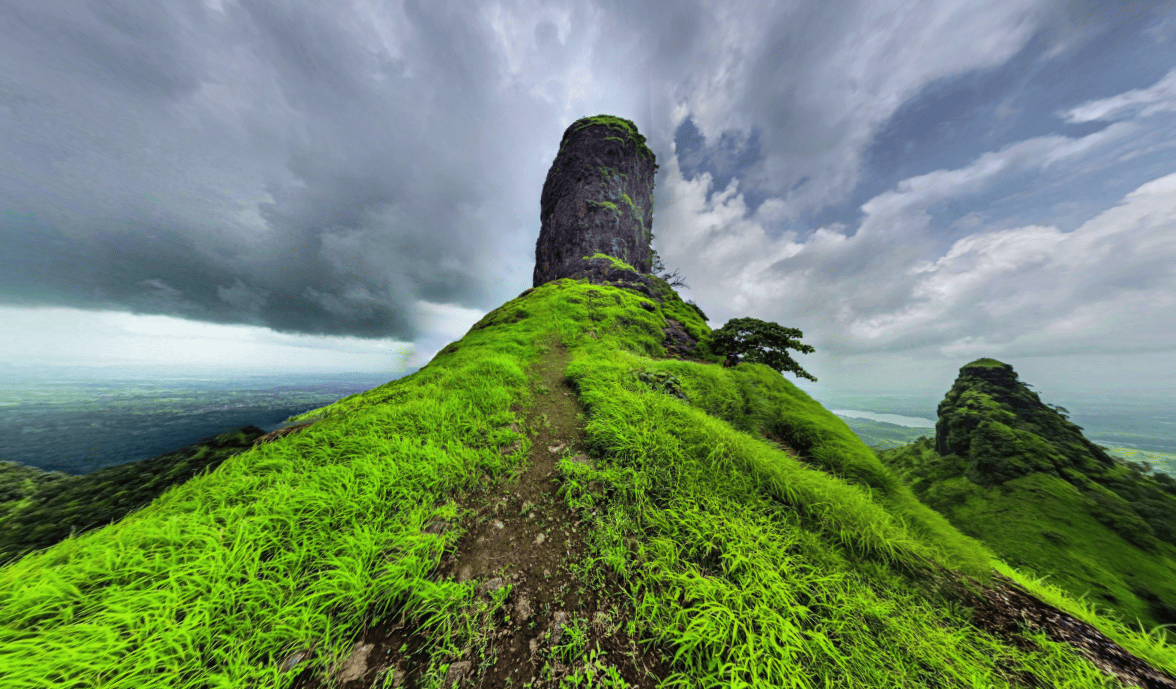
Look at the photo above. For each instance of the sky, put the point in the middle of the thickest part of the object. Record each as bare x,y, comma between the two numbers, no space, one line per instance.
247,185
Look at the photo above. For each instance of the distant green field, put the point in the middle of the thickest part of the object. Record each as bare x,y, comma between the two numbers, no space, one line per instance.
1161,462
885,435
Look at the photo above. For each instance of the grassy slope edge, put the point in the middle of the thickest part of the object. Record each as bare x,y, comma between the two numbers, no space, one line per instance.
747,565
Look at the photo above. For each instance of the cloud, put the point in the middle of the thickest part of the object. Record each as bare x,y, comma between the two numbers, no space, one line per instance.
80,340
1039,291
820,80
1158,98
280,164
373,170
1029,290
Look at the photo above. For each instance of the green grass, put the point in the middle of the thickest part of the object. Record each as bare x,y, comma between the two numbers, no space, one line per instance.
626,127
607,204
987,363
616,262
1044,524
746,566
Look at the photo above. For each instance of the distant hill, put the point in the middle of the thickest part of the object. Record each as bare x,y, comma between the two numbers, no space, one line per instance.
41,508
1016,474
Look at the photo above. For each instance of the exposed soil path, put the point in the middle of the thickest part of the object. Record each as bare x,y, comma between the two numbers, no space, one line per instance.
519,534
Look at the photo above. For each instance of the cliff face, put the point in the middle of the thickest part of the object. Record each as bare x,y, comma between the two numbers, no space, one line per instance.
1004,431
598,199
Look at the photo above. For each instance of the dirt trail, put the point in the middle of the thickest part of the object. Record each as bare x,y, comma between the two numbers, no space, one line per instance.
519,534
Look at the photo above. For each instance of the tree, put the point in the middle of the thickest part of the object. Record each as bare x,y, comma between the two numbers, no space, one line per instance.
760,342
656,266
655,262
675,279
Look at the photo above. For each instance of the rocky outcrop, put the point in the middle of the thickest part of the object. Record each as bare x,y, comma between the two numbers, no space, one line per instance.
1005,431
1016,474
282,433
598,199
679,344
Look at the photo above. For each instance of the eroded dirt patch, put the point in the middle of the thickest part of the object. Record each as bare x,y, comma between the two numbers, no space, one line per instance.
678,343
538,621
282,433
1009,612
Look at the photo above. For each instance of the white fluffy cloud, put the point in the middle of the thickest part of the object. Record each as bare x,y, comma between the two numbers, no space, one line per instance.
1024,291
1042,291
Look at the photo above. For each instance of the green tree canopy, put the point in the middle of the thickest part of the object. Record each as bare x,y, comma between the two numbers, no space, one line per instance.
760,342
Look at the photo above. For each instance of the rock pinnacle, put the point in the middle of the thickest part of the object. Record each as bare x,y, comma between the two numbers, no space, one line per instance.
598,199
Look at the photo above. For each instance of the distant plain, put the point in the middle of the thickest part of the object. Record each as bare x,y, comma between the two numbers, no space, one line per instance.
78,424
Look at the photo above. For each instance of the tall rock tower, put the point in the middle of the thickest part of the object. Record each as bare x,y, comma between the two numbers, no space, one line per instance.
598,198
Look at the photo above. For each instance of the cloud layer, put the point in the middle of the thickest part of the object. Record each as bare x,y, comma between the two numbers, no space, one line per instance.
1033,290
931,179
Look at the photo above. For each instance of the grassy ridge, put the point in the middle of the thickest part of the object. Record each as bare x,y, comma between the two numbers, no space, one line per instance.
747,566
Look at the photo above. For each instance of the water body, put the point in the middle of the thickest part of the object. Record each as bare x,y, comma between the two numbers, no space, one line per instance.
896,419
77,425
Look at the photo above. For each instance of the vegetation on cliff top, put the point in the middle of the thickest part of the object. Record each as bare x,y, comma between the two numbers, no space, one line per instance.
1005,431
760,342
625,127
613,260
749,537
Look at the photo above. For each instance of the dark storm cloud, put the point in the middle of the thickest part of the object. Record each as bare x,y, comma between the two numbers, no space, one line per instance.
139,49
289,165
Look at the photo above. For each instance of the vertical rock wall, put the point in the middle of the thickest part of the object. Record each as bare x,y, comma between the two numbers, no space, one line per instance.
598,198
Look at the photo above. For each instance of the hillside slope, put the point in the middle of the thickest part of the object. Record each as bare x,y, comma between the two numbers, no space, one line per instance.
1016,474
40,508
551,502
